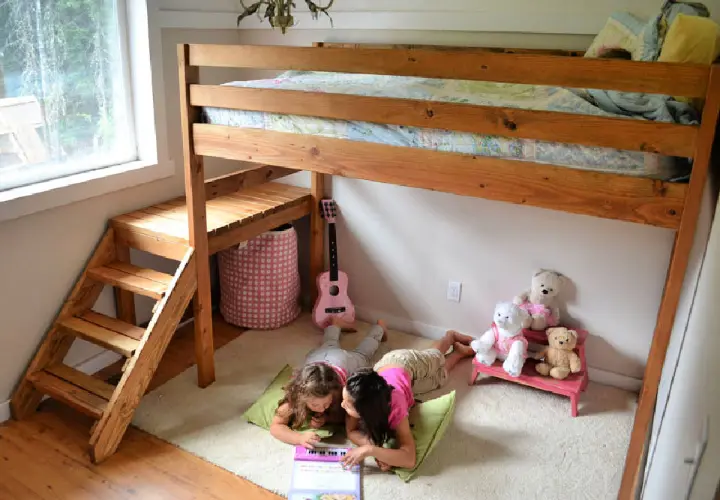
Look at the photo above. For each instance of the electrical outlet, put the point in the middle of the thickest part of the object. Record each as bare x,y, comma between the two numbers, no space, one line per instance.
453,291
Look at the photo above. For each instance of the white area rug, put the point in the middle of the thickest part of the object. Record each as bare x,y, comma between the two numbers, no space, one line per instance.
505,442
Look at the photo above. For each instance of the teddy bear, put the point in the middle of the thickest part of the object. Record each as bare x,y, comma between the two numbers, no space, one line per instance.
560,357
541,300
504,340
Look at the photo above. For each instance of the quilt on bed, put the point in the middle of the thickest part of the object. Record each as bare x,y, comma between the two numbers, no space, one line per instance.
457,91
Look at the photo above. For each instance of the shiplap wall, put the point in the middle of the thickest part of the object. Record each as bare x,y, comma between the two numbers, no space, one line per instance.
574,17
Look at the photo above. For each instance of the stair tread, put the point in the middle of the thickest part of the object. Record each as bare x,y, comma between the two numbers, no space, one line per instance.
114,324
72,395
143,272
133,279
101,336
82,380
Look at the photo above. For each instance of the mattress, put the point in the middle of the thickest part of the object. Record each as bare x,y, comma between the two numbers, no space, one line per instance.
533,97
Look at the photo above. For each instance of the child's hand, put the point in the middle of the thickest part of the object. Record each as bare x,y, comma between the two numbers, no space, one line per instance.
309,439
356,456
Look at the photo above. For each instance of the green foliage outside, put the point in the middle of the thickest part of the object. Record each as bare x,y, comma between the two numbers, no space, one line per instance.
62,52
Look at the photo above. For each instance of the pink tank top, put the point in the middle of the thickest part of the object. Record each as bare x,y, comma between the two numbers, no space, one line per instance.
503,344
402,397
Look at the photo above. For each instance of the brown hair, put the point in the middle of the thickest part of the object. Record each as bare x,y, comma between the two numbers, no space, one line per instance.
312,381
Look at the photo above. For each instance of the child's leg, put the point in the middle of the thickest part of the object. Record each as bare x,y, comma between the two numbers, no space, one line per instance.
456,340
331,341
371,342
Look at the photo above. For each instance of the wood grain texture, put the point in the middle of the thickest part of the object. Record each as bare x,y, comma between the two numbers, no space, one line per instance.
124,300
197,223
45,456
244,233
149,241
69,394
598,194
116,325
653,77
317,232
407,46
56,343
91,384
100,336
139,371
131,282
673,288
620,133
230,183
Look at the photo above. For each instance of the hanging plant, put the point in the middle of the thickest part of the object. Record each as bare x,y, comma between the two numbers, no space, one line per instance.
279,12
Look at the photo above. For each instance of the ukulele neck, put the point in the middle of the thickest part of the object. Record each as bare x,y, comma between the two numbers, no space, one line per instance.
332,244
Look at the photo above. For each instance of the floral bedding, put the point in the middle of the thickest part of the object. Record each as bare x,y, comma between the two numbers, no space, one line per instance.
457,91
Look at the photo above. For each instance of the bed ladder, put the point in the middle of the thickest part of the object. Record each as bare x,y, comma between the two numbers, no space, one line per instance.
111,406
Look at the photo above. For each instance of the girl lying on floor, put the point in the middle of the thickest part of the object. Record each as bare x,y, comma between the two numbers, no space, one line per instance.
316,390
379,400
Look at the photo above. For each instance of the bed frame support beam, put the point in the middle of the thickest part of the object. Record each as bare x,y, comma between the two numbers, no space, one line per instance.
684,237
195,194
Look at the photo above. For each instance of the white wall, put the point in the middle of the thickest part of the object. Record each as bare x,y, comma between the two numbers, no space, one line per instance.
399,245
693,399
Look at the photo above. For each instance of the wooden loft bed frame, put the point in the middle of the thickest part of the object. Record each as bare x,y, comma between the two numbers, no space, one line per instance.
645,201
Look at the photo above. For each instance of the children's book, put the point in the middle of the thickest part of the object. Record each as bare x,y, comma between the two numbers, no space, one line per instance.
319,475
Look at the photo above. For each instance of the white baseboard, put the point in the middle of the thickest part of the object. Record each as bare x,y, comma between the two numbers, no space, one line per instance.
618,380
4,411
597,375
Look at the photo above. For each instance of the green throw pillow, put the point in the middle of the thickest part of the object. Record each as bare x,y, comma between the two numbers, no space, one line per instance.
263,410
428,421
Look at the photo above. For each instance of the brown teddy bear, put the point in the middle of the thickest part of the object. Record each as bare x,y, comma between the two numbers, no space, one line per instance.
560,358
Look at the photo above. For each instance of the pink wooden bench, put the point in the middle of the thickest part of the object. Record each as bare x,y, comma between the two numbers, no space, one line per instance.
570,387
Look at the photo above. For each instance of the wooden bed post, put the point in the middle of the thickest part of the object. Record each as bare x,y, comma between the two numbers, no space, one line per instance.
198,239
317,232
633,474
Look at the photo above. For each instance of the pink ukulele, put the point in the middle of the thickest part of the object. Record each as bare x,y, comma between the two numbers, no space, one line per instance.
333,300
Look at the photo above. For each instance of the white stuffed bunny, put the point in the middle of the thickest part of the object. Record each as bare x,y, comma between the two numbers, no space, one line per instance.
504,340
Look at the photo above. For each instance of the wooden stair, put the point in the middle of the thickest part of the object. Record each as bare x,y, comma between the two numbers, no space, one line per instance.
111,406
161,229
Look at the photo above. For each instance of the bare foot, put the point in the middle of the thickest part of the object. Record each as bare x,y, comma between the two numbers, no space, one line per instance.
464,350
381,324
460,338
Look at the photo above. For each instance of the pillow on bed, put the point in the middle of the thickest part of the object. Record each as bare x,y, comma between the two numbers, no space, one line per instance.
625,31
263,410
429,421
691,39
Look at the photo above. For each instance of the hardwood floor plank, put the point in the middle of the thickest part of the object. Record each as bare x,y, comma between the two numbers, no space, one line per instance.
46,455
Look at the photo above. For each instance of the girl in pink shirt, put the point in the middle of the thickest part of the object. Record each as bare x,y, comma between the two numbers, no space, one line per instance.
314,393
378,401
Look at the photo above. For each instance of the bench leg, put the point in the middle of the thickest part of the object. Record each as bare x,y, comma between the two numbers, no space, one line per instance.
574,404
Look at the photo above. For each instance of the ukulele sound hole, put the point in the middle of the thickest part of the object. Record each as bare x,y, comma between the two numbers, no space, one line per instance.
334,290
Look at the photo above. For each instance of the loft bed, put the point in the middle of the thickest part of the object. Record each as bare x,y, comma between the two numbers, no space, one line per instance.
244,121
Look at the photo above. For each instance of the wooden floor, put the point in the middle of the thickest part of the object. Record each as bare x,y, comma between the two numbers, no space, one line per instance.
45,457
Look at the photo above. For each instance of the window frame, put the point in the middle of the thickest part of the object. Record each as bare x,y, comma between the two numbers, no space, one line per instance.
142,48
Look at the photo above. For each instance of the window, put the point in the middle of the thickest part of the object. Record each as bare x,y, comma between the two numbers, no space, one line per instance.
65,99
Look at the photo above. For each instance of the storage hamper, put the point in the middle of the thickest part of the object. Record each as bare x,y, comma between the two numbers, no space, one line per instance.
260,281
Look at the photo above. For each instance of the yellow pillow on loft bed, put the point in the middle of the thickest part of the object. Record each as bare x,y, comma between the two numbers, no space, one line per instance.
691,39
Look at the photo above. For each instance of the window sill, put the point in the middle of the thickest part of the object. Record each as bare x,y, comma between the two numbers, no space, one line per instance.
27,200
